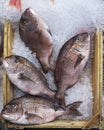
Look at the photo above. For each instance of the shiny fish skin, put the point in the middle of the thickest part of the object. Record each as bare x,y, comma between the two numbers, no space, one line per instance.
23,74
29,110
37,36
71,60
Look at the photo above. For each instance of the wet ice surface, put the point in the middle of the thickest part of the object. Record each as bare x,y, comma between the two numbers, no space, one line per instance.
65,19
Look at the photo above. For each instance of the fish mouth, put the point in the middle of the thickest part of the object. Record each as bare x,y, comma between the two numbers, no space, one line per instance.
6,63
3,114
30,10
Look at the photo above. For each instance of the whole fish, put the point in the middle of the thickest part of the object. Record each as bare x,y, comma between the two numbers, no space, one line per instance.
23,74
37,36
70,62
35,110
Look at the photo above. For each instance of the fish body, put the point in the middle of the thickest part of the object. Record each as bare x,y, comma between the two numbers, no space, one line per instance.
37,36
23,74
29,110
71,60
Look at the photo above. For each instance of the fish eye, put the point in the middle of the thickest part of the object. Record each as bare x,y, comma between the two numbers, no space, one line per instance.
9,107
78,39
16,60
13,105
24,20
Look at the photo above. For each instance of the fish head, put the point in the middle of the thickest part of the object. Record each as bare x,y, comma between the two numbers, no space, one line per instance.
82,42
28,19
12,111
13,63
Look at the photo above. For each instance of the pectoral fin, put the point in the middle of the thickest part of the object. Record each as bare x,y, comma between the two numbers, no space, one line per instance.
80,58
33,117
22,76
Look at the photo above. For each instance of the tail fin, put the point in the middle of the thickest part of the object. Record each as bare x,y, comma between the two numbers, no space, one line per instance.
60,98
72,108
44,61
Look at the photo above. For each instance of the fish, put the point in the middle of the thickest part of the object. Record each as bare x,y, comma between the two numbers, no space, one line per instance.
71,60
25,76
27,110
16,3
36,35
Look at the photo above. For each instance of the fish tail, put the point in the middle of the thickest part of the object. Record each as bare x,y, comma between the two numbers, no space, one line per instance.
60,98
48,96
72,109
44,61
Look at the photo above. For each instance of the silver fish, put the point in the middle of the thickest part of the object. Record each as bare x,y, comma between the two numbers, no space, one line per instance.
36,35
23,74
71,60
29,110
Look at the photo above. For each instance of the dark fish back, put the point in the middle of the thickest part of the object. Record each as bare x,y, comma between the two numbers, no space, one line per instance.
70,63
